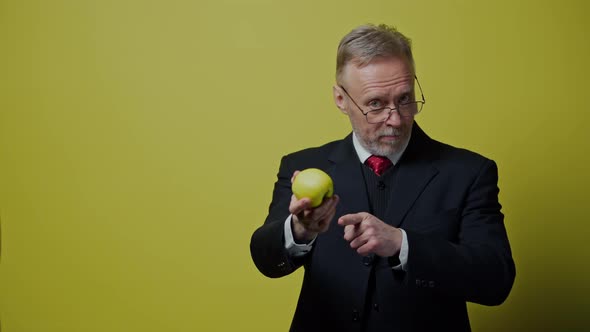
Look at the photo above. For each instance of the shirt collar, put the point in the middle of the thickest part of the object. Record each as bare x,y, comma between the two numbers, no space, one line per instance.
363,154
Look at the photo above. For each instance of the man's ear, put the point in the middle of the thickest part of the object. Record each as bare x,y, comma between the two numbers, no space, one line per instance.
339,98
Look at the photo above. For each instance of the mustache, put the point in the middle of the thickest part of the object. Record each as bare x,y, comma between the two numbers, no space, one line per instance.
389,132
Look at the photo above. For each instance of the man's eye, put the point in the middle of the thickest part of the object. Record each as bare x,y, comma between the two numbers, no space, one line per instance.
405,99
375,104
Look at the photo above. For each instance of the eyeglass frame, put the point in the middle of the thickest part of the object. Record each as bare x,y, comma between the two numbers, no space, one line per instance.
423,101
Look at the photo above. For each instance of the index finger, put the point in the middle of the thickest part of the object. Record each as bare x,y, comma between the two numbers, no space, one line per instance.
351,219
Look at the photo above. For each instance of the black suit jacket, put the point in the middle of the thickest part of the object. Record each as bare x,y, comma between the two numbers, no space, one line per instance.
446,200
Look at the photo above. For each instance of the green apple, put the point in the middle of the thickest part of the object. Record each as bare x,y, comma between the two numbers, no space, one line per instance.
314,184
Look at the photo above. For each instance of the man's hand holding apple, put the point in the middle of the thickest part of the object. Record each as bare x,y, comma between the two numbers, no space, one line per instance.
316,206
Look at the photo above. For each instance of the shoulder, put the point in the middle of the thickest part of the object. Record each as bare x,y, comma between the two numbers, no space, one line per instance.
443,155
317,150
319,156
454,153
459,159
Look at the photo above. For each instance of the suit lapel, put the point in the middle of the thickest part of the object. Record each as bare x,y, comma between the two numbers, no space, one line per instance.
348,178
415,171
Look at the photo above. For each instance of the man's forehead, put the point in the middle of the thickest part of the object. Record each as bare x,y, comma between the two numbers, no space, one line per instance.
382,68
359,63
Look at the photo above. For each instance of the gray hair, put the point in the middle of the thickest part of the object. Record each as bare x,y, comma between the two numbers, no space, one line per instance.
367,42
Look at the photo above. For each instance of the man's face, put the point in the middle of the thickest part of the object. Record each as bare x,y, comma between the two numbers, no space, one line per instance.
382,83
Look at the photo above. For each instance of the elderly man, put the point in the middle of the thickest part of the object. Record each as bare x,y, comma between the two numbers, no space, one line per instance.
414,230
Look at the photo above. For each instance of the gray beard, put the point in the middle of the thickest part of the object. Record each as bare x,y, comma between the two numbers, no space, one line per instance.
374,147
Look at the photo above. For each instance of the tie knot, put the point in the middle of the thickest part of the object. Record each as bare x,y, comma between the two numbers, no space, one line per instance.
378,164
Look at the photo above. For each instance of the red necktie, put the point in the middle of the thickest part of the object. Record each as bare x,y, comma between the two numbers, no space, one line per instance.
378,164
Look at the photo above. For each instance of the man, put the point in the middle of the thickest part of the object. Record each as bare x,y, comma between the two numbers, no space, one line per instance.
414,229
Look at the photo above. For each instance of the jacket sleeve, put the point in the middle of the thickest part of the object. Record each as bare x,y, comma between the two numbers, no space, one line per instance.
478,266
267,245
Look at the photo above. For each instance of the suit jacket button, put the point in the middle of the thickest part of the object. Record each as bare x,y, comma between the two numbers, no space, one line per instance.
355,315
368,260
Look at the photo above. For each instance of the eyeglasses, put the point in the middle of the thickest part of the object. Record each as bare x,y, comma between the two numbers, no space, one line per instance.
381,114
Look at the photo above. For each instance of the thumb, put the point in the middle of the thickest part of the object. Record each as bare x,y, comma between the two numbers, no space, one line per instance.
294,175
299,205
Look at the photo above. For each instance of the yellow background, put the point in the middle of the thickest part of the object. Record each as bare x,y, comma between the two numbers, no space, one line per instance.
119,118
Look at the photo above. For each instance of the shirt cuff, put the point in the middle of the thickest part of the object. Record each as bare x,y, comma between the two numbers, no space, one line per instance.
295,249
403,253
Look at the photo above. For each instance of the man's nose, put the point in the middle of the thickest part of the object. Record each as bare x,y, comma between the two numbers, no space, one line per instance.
394,119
